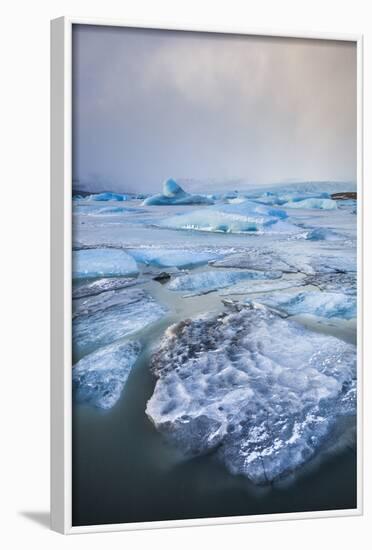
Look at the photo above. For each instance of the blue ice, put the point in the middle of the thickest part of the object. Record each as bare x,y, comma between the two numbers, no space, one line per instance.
99,378
208,281
173,194
321,304
102,262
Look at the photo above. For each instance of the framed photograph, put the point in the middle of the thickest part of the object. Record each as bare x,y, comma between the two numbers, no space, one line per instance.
206,275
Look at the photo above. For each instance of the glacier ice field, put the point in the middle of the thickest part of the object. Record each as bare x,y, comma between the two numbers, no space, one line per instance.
241,305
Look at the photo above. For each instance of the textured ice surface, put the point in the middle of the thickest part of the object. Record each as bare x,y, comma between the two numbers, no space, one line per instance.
261,391
322,304
99,378
255,258
208,281
111,316
319,262
322,204
254,286
245,217
334,282
104,285
172,257
173,194
107,197
102,262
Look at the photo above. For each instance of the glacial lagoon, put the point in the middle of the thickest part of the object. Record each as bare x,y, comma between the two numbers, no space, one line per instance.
214,358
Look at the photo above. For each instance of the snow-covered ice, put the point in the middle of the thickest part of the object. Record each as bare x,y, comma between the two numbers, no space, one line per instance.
99,378
173,194
261,391
102,262
208,281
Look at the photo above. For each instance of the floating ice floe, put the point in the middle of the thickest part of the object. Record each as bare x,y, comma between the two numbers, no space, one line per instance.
334,282
254,286
323,234
320,204
107,196
209,281
180,258
260,391
283,198
173,194
102,262
112,316
321,304
104,285
233,218
99,378
255,258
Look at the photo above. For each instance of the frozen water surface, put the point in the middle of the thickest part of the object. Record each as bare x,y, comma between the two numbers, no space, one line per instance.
260,391
99,378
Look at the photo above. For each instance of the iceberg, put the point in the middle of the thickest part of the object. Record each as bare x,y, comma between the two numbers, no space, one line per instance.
105,320
321,304
102,262
180,258
320,204
100,377
209,281
245,217
261,392
173,194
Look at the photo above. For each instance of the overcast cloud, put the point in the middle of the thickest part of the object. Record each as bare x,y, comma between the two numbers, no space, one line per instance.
150,104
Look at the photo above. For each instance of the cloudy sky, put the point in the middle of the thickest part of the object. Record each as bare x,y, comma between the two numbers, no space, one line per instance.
151,104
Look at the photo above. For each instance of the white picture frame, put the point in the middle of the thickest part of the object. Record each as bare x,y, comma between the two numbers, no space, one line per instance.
61,246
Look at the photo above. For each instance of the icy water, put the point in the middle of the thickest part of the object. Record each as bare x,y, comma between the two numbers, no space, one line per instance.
124,469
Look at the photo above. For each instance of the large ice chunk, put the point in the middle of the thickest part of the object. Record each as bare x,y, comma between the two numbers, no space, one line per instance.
261,391
99,378
104,285
320,204
208,281
245,217
173,194
111,316
181,258
102,262
261,259
321,304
